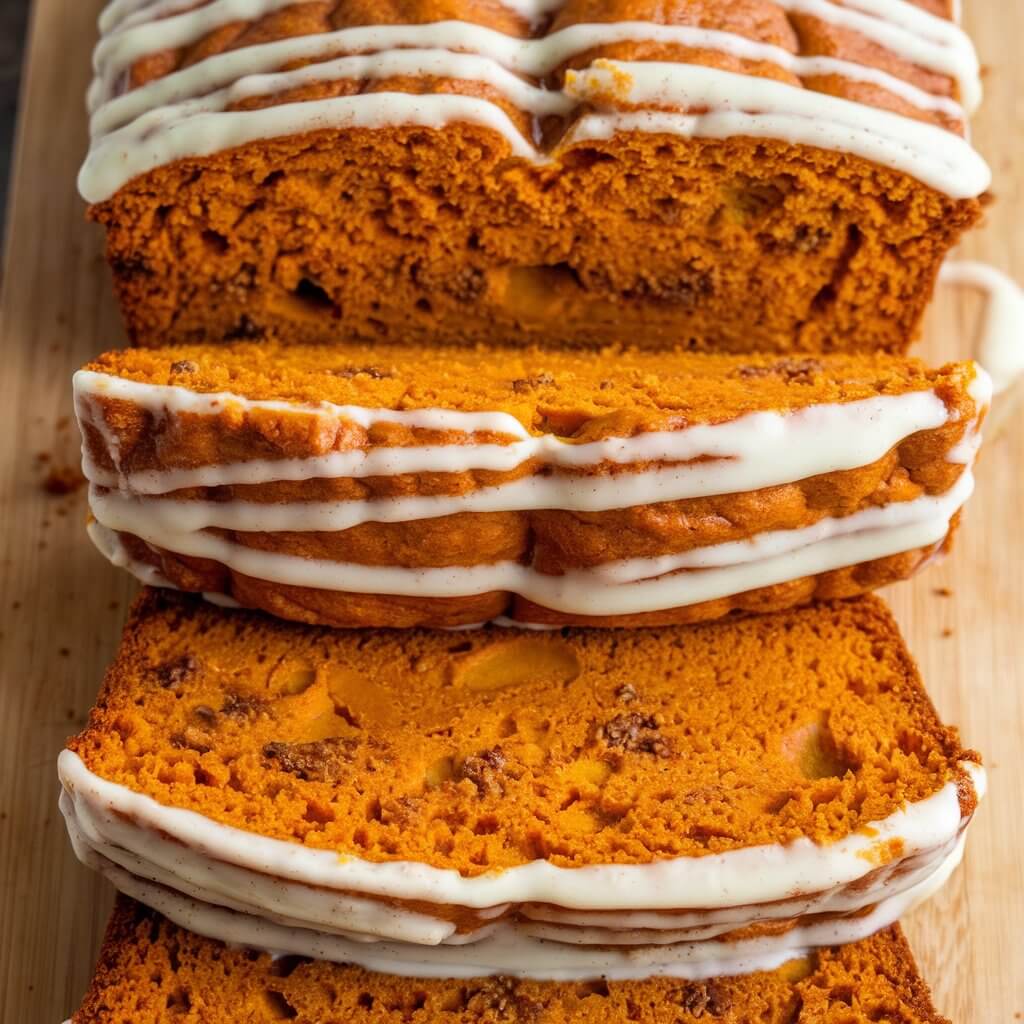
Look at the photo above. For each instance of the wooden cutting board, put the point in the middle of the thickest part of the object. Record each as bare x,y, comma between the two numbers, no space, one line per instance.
61,605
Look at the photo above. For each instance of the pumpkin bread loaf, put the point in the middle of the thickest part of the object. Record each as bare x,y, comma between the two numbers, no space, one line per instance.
741,175
374,485
783,777
150,970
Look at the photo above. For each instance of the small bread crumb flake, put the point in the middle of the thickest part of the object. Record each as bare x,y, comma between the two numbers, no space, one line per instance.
883,853
63,480
604,82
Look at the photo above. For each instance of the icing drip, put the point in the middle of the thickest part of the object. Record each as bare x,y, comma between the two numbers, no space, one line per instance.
745,105
109,544
1001,347
132,31
617,588
934,156
513,953
372,920
186,115
177,516
122,14
737,878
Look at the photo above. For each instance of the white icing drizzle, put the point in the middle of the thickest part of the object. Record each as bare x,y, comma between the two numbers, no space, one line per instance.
110,545
740,104
173,516
908,31
659,927
360,919
936,157
533,57
122,14
618,588
166,399
158,139
511,952
1001,346
185,115
757,874
760,449
757,450
118,13
901,27
137,843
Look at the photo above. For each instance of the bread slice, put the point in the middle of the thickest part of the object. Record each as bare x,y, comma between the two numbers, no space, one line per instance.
682,801
745,175
357,485
150,970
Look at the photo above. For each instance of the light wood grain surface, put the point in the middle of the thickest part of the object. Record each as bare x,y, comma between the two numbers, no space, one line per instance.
61,606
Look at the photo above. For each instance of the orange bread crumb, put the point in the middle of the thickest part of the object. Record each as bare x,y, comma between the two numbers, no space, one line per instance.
150,970
584,396
493,748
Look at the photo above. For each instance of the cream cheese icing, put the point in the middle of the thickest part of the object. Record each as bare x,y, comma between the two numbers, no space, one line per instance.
533,57
168,516
1001,345
916,35
757,450
910,32
369,920
508,952
109,544
739,104
179,865
618,588
186,115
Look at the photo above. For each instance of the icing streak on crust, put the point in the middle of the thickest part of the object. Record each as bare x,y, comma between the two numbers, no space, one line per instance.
578,499
886,82
1001,346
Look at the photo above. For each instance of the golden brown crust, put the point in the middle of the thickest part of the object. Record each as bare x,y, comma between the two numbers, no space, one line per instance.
149,968
491,748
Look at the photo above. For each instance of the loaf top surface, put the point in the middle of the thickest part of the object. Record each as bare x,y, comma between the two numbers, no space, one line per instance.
806,30
868,79
149,968
578,394
493,748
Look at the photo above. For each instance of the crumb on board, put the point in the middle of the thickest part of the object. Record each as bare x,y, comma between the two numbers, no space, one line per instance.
63,480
